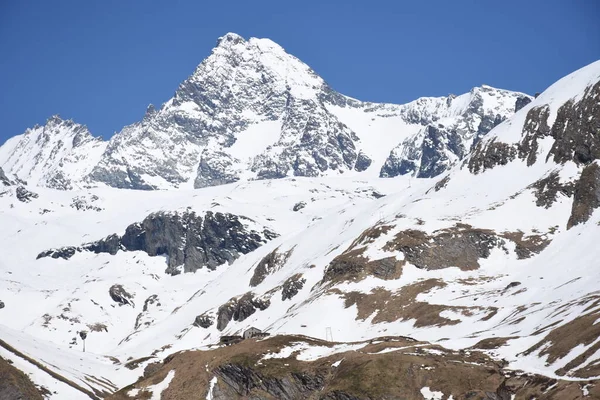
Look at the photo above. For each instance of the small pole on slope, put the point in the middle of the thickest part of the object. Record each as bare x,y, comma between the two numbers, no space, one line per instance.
83,335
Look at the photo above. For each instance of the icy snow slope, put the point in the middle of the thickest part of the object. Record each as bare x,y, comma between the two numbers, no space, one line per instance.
252,111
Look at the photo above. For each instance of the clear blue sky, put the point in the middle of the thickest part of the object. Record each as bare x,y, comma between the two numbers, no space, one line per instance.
102,62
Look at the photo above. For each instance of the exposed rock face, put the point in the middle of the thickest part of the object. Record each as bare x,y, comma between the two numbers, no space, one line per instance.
462,249
189,240
238,309
170,144
85,203
120,295
244,381
216,168
1,304
4,179
25,195
489,155
292,286
203,321
269,264
547,189
448,138
576,129
15,385
460,246
299,206
521,102
587,195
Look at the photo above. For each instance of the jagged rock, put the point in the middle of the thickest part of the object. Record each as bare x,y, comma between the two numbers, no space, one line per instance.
4,179
203,321
120,295
461,247
62,252
576,129
192,241
84,203
25,195
535,128
521,102
292,286
242,380
546,190
215,168
362,162
238,309
490,154
586,197
110,244
446,140
299,206
189,240
269,263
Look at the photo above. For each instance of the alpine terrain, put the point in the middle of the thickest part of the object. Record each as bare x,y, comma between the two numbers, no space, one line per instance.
441,249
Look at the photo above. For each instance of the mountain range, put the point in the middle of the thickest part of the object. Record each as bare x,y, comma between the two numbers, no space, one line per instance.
251,111
440,249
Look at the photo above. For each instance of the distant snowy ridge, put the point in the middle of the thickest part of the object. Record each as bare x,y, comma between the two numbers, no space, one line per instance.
252,111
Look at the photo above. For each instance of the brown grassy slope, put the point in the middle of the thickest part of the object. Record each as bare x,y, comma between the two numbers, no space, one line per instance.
367,373
15,385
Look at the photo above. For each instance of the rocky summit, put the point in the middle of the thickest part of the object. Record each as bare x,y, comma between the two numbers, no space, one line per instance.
306,245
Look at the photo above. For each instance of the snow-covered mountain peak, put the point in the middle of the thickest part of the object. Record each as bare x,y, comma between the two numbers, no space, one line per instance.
40,154
238,63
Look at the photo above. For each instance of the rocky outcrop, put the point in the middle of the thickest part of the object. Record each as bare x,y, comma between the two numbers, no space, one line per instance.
488,155
4,179
204,321
84,203
1,304
586,196
269,264
299,206
447,139
120,295
189,240
535,128
547,190
216,168
244,380
238,309
459,246
25,195
521,102
576,129
292,286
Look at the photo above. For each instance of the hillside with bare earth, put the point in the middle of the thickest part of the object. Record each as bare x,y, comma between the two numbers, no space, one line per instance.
482,283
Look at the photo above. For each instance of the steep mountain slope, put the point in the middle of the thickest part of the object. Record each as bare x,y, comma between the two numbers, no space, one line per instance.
252,111
498,256
56,155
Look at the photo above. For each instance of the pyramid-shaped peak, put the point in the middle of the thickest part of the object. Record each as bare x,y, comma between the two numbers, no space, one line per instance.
230,39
